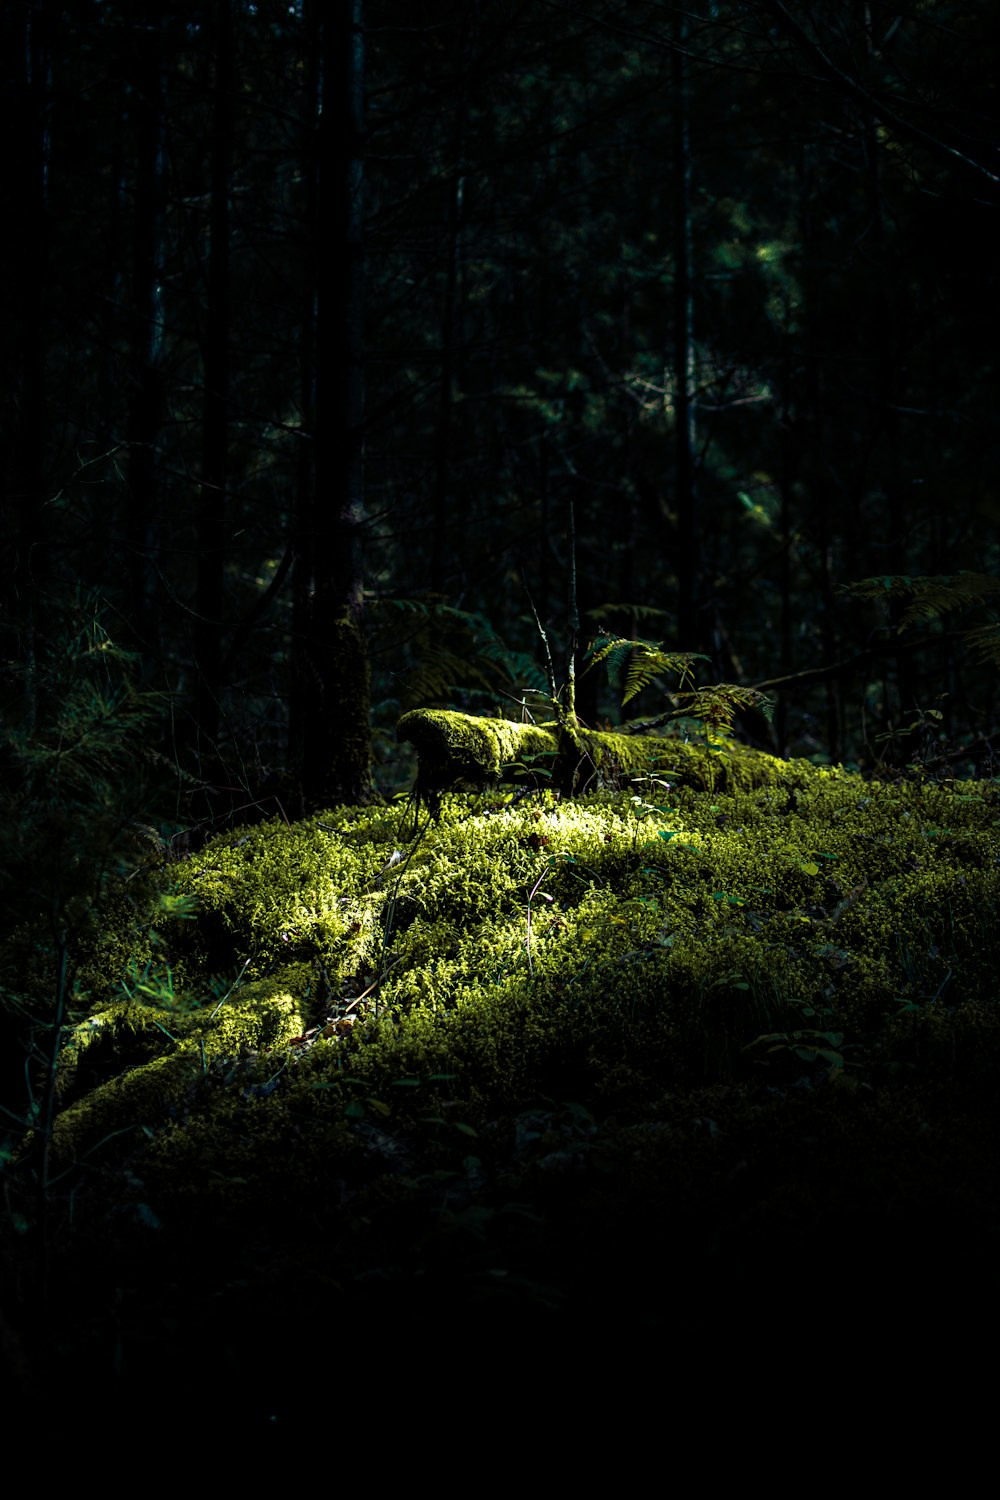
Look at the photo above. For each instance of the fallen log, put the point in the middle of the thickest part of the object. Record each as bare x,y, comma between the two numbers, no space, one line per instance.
463,752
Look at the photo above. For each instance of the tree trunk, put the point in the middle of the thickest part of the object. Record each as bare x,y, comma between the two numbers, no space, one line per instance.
817,429
302,526
333,751
687,552
22,549
145,338
885,341
450,345
215,409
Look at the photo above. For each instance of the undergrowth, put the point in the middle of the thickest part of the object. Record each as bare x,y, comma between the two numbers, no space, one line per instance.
716,999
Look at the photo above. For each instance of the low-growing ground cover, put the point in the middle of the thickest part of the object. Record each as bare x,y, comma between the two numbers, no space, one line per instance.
488,1064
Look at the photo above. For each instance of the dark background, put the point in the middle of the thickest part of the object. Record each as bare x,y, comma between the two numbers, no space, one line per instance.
324,336
338,343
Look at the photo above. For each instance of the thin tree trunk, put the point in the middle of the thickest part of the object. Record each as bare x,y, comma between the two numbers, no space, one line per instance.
334,754
22,549
824,500
215,409
788,477
685,437
883,334
303,541
450,326
145,395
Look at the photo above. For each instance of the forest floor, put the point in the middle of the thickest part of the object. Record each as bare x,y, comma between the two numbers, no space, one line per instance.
704,1228
551,1136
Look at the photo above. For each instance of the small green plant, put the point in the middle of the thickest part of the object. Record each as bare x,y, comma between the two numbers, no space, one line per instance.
920,736
823,1048
76,786
636,664
929,598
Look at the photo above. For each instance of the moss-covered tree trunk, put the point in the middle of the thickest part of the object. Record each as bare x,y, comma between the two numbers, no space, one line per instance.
461,752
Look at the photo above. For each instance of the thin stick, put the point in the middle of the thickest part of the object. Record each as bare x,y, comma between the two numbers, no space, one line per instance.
574,623
550,669
531,897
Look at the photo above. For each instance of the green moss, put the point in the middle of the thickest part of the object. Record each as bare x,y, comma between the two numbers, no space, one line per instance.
461,751
159,1073
678,936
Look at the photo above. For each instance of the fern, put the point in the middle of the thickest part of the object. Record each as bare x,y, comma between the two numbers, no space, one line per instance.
984,644
71,748
635,612
931,597
927,598
73,782
716,706
458,651
635,664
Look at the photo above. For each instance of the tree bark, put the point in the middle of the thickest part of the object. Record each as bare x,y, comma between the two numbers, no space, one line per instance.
450,345
687,558
215,408
145,335
333,752
22,541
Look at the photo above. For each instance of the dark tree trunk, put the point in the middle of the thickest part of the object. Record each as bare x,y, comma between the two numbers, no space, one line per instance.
790,441
215,410
145,336
885,340
334,733
687,550
303,523
824,496
22,549
450,343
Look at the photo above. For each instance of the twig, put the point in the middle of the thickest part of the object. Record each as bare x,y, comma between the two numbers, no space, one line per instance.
230,990
550,669
527,937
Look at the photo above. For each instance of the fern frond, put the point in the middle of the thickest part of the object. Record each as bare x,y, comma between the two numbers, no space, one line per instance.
716,706
633,612
984,644
377,603
929,597
521,670
638,663
440,672
483,658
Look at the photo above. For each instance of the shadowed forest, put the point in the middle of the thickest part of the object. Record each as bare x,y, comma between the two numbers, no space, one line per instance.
499,658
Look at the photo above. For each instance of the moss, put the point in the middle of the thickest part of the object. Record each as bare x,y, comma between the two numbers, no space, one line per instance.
670,932
743,1027
461,751
114,1039
717,765
277,892
159,1071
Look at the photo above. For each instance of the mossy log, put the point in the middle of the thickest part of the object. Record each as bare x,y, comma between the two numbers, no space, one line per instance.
156,1073
833,941
461,752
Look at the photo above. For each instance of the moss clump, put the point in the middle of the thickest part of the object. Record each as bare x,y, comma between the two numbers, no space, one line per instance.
372,979
486,1059
128,1069
460,751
